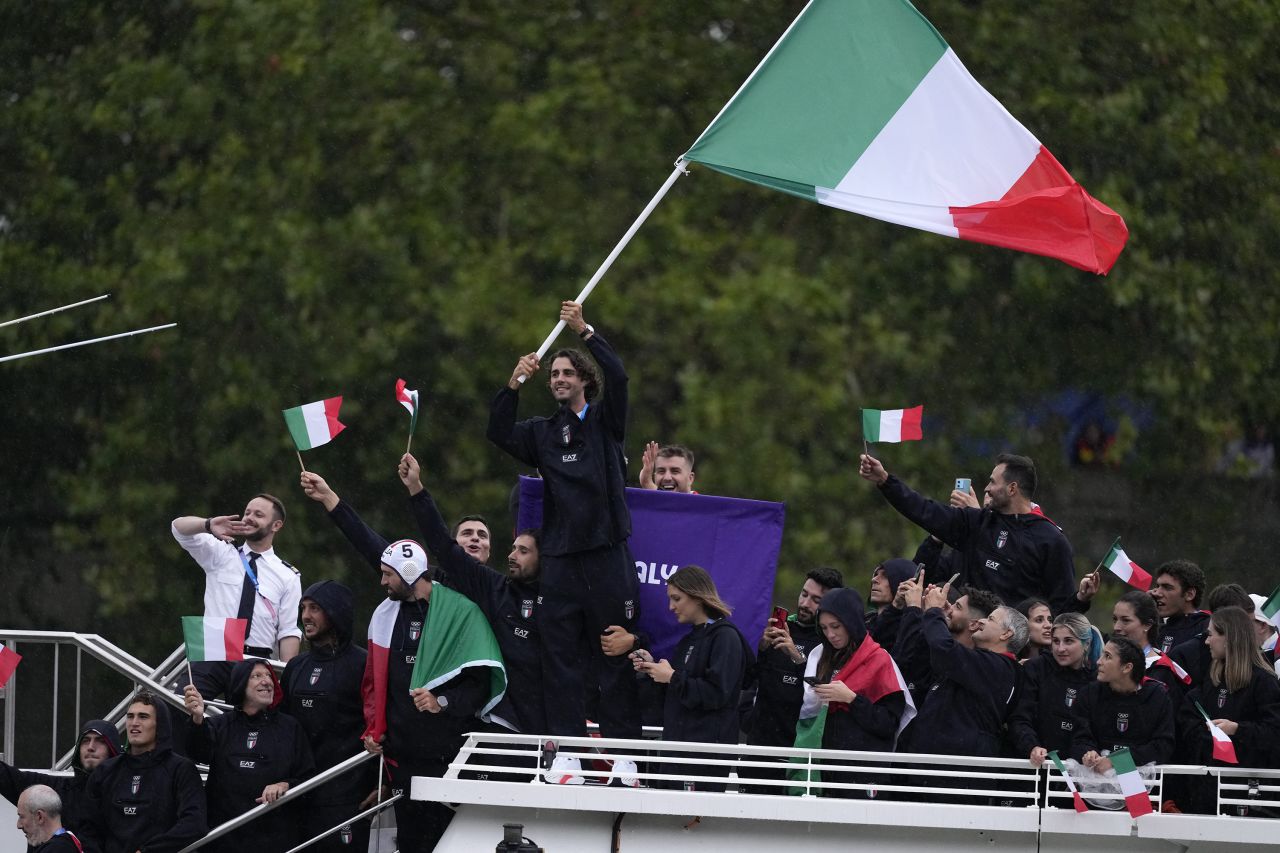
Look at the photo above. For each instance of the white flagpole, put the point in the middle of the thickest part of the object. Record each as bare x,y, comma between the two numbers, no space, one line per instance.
617,250
52,311
86,343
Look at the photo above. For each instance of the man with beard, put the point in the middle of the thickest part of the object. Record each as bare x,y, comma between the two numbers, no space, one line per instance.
246,582
149,798
963,610
589,580
322,692
40,819
778,669
421,730
668,468
1005,547
97,743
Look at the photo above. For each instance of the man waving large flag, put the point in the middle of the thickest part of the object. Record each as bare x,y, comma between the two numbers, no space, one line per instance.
863,106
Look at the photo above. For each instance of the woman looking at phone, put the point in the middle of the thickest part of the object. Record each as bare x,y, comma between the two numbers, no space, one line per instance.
702,686
864,695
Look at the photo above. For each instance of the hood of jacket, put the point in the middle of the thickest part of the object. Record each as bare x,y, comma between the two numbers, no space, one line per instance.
106,731
898,570
239,683
338,603
846,605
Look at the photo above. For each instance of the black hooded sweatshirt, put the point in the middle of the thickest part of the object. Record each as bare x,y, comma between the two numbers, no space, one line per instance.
581,461
70,788
883,625
245,754
1048,707
862,724
972,695
1016,556
1181,627
152,802
701,700
1255,709
1142,721
322,692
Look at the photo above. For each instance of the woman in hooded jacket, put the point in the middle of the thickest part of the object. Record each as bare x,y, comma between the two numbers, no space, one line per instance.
702,682
255,754
856,680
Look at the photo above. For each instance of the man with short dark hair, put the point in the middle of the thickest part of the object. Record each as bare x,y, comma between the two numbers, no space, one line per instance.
975,689
40,819
779,668
246,582
668,468
1005,547
471,532
589,580
148,798
322,692
1177,589
98,742
964,608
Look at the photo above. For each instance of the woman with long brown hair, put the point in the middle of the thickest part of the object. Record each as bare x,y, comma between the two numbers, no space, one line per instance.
703,679
1241,697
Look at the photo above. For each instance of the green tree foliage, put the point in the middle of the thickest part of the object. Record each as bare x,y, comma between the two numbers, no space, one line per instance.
330,195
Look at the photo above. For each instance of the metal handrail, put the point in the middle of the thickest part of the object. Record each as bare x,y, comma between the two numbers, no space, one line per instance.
290,795
369,812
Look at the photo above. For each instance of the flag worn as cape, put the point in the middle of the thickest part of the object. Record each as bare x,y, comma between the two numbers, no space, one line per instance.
862,106
870,672
455,636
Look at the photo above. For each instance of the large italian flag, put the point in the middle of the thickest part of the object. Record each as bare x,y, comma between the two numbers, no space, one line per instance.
863,106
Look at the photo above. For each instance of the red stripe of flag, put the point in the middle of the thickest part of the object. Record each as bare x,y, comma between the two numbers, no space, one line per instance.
331,407
911,424
233,637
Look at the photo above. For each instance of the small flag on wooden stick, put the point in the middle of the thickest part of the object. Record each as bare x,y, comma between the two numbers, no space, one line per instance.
214,638
892,425
408,398
314,424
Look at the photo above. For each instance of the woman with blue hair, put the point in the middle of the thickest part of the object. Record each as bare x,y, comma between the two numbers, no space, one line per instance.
1053,683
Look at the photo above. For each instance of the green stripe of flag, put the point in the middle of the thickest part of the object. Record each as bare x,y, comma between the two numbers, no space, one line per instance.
828,93
297,424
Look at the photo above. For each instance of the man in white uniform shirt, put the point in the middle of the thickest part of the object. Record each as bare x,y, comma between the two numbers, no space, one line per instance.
247,582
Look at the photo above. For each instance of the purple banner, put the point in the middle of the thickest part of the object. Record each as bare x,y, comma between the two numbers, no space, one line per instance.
736,540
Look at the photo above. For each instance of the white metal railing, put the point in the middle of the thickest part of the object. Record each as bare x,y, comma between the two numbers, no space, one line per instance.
755,770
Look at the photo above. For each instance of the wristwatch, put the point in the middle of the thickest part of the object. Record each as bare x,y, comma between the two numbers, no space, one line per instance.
589,330
208,525
443,702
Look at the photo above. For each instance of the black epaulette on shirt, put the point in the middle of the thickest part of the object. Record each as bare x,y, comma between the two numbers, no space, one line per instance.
291,567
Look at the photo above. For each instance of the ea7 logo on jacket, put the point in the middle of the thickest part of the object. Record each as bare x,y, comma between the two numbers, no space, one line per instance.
135,785
569,457
1071,696
246,764
315,675
1002,539
1122,722
251,741
522,633
790,679
130,810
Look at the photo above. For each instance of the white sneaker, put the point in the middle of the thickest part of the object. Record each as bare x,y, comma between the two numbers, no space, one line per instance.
624,773
564,771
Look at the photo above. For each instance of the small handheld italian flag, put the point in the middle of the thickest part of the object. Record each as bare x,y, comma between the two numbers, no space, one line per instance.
214,638
1071,785
1131,785
1169,663
408,398
892,425
1271,607
1119,564
1223,749
314,424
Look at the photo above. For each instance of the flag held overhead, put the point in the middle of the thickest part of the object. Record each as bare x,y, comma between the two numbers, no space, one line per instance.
892,425
863,106
314,424
1118,563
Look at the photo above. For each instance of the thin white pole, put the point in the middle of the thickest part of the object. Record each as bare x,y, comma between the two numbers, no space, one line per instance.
86,343
53,311
617,250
